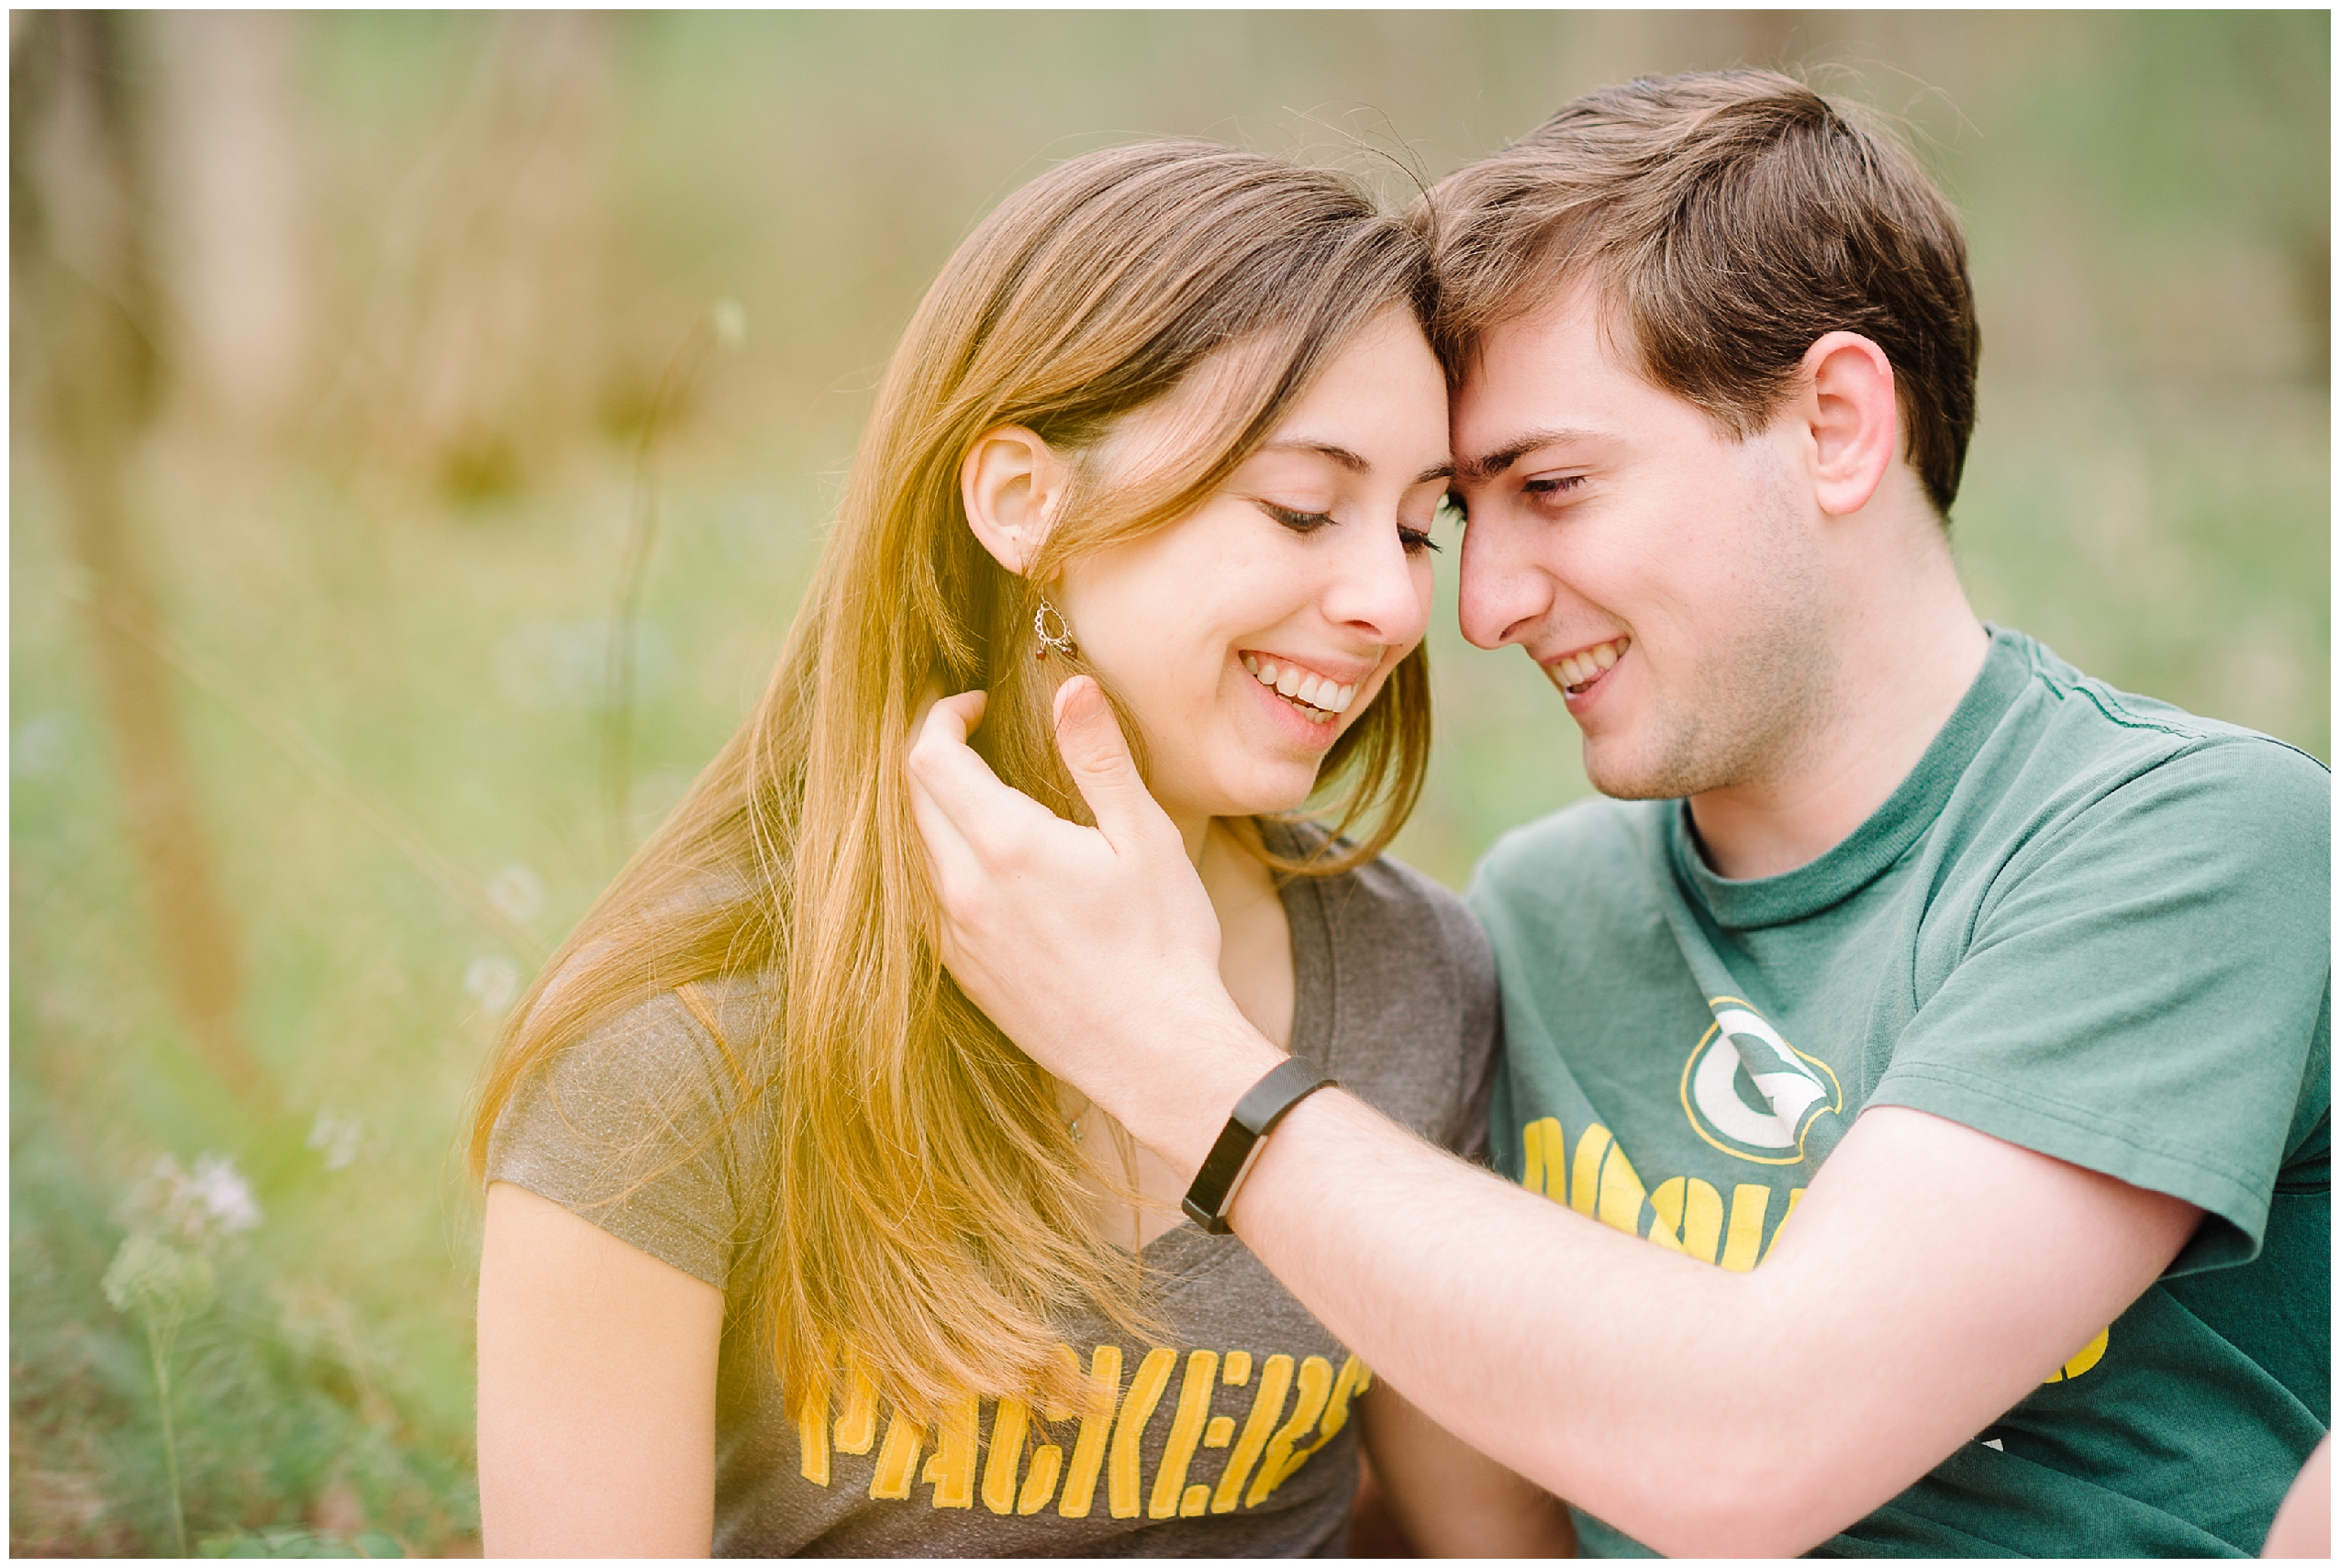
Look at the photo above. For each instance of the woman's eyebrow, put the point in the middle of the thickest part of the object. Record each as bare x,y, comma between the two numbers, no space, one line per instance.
1341,455
1351,461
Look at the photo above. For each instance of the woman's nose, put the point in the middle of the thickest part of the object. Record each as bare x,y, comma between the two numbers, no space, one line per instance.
1378,590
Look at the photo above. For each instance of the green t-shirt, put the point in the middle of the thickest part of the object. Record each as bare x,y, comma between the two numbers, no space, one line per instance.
2087,923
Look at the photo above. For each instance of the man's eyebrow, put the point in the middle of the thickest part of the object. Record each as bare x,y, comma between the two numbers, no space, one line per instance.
1476,469
1351,461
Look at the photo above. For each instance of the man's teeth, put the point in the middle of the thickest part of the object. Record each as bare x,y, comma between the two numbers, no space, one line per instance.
1579,669
1301,685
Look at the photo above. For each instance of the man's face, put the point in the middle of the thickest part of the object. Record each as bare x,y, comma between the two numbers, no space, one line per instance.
1665,576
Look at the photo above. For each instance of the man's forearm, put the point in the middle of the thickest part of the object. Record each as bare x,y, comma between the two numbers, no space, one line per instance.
1524,1328
1890,1325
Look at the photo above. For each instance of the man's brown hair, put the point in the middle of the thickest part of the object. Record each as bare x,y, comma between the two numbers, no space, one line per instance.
1731,219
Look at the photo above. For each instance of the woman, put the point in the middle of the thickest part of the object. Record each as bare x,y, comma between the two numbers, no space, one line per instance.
787,1249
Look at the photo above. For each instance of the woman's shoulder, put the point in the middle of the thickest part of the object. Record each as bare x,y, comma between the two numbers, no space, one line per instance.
1387,901
646,1123
694,1042
673,1071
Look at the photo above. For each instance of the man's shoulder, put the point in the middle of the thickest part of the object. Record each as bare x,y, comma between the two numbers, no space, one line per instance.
2125,750
2104,719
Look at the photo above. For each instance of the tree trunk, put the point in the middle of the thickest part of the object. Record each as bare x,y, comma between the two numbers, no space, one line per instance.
85,370
228,200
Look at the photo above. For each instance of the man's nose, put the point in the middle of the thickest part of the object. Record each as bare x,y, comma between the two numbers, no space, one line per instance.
1503,592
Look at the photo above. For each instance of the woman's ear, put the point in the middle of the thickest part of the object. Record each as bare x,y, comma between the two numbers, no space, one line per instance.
1012,483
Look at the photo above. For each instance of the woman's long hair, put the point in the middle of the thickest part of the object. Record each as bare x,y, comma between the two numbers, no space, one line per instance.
927,1214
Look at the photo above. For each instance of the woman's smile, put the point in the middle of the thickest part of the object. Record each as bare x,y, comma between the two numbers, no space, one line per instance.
1320,697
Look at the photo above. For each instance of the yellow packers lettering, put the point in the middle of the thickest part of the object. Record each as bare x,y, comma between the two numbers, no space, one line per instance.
1752,1095
1238,1431
2089,1355
1681,1214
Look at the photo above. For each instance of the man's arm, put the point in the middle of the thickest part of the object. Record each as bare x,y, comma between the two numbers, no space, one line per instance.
1931,1276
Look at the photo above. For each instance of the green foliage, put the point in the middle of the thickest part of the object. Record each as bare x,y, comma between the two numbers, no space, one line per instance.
291,1541
158,1281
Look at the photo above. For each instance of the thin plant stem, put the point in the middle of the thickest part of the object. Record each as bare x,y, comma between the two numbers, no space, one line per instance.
159,1354
634,570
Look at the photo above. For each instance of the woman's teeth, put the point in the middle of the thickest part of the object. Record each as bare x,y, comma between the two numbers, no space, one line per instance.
1579,670
1312,692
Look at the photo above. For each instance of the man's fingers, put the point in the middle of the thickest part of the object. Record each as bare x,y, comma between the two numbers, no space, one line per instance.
942,771
941,764
971,821
1094,752
960,715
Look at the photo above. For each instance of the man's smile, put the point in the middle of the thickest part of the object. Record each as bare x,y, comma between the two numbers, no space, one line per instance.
1576,673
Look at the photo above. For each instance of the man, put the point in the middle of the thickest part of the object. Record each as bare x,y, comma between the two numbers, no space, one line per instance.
2012,989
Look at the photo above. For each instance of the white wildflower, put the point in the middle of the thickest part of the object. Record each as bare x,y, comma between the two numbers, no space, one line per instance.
492,981
226,1197
201,1207
338,1139
515,891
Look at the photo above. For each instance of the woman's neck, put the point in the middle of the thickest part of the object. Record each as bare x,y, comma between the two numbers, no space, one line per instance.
1256,962
1195,831
1254,941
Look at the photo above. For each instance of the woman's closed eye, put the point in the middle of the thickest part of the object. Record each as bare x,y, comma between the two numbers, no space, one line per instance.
1297,519
1304,522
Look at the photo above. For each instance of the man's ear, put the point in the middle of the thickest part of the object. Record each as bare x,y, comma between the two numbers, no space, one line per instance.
1012,483
1853,421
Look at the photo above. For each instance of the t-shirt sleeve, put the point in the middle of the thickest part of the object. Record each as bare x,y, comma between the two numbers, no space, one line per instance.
2146,991
634,1128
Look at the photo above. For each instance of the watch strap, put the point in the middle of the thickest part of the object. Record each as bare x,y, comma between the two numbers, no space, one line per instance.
1230,1159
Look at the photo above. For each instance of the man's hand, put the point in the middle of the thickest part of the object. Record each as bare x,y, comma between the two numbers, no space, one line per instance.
1095,949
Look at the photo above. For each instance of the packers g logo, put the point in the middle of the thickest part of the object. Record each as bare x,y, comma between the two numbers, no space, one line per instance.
1752,1095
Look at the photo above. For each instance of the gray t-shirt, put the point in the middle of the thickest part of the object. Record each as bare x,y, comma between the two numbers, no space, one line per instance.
1235,1439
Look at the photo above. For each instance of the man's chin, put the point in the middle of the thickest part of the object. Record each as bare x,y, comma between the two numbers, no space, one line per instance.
1621,775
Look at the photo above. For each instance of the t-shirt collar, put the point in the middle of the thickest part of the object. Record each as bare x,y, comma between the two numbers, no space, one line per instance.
1876,844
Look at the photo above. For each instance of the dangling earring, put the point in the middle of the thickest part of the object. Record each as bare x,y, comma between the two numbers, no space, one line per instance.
1059,641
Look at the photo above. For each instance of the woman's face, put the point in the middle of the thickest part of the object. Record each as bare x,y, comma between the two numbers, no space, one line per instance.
1248,636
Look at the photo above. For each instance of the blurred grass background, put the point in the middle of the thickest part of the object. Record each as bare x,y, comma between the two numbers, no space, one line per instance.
392,298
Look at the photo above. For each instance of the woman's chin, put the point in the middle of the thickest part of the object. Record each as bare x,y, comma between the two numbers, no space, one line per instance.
1261,796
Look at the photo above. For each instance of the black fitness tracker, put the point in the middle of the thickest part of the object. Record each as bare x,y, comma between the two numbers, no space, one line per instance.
1230,1160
